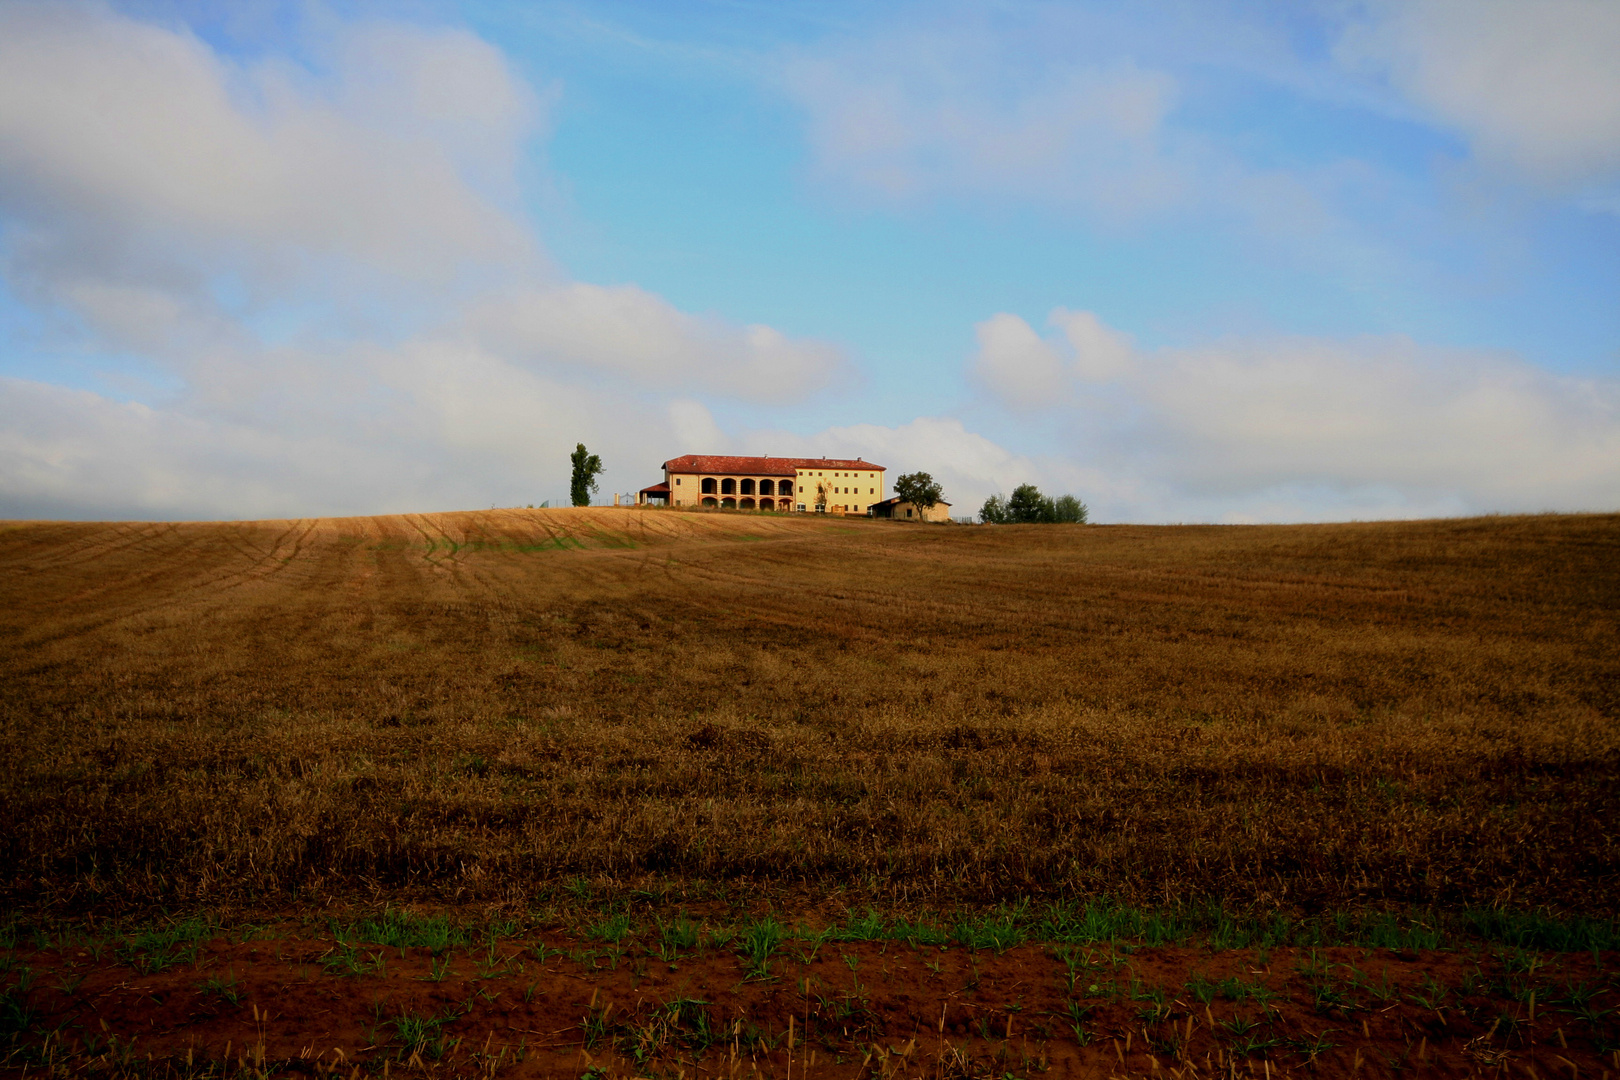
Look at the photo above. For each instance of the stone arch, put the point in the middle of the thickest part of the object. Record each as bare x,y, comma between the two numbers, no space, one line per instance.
745,503
710,501
767,504
728,486
767,487
728,503
708,485
746,488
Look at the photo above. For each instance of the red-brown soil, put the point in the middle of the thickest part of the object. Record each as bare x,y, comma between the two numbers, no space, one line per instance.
277,1003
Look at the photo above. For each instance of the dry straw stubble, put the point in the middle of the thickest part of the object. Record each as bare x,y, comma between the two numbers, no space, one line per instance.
474,706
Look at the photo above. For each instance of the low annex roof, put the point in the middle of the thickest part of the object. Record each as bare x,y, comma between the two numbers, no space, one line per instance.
897,500
760,466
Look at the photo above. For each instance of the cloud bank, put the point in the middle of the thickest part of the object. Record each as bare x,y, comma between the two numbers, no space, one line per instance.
935,112
1304,425
1534,87
325,271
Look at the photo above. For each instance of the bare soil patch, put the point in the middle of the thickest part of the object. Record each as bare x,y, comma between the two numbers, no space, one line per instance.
281,1001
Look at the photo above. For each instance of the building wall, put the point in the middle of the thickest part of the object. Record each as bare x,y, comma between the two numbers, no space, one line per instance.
848,491
939,513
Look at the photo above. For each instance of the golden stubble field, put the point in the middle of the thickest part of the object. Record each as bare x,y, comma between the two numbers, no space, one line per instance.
474,708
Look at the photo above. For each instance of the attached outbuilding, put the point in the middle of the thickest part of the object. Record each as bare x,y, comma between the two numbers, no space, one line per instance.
900,510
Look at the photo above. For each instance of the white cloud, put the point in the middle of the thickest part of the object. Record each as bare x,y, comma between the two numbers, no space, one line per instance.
967,109
444,89
444,430
1100,352
72,453
694,429
114,132
1384,411
438,420
1533,85
1026,371
330,265
1018,366
627,330
1374,422
1126,117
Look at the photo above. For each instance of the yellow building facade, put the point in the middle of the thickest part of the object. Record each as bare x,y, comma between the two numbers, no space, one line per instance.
789,485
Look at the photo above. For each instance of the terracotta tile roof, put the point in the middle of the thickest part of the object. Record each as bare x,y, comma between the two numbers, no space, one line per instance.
659,488
724,465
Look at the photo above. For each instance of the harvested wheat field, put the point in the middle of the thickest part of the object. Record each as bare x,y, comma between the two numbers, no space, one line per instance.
643,792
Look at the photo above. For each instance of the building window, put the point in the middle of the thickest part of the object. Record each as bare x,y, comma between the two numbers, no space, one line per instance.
677,481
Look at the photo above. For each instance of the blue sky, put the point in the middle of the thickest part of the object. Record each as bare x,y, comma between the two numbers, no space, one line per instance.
1189,261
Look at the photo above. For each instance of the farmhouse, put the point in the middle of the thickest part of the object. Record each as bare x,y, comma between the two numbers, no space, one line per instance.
821,485
901,510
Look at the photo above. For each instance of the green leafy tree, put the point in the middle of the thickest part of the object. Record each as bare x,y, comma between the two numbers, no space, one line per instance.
1027,506
920,490
1070,510
587,467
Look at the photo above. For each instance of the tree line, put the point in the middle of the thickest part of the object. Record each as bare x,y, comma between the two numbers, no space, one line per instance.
1027,506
